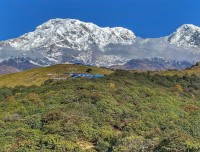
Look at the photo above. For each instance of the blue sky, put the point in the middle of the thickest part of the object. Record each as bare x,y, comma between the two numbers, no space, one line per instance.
147,18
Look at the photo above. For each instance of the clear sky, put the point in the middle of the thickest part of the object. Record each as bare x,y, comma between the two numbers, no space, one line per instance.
147,18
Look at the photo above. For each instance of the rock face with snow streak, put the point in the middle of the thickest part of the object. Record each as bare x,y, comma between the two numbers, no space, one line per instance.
19,63
187,36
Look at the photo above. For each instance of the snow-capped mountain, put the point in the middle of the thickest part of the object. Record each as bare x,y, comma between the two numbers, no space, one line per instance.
68,40
187,36
71,34
74,41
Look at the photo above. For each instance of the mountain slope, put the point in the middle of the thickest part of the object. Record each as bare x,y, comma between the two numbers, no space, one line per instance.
122,112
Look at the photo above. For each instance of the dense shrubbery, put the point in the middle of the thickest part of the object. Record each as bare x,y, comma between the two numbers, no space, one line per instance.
121,112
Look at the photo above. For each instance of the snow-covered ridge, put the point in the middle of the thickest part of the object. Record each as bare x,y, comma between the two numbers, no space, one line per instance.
187,36
70,40
73,34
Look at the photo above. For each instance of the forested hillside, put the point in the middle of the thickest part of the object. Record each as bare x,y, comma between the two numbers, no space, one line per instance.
124,111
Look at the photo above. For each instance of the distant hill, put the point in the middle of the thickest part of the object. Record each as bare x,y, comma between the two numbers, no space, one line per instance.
7,69
37,76
193,70
153,64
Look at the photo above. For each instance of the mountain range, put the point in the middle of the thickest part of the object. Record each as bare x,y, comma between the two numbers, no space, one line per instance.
69,40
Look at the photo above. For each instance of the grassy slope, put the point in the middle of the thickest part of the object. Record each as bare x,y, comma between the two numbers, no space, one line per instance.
39,75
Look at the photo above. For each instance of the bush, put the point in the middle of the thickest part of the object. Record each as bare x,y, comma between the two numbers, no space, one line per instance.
89,70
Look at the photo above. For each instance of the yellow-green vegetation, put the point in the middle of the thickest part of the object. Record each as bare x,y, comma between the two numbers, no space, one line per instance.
39,75
125,111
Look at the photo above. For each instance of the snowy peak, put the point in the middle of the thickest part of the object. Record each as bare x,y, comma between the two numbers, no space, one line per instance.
72,34
187,36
